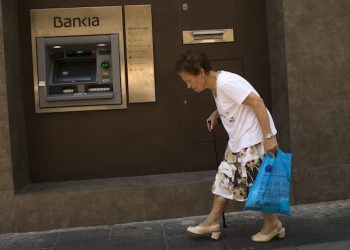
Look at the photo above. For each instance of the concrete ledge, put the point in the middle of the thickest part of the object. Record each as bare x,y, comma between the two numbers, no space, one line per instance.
113,201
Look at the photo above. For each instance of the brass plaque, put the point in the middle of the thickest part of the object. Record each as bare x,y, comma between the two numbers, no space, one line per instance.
139,52
74,22
207,36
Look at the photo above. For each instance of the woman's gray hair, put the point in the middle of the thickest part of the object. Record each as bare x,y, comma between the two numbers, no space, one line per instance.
192,62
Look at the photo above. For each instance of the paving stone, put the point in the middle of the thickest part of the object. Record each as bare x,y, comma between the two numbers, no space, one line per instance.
340,245
140,231
33,240
84,236
6,241
104,246
341,223
69,238
73,247
137,245
177,227
201,242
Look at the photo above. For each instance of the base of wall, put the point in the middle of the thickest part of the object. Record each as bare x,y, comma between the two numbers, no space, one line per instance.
6,211
112,201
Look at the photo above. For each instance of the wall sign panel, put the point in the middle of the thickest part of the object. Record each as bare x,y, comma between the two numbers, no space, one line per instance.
139,50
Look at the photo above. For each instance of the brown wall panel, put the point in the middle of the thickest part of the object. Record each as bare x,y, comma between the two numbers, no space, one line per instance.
198,156
257,73
83,145
146,138
206,14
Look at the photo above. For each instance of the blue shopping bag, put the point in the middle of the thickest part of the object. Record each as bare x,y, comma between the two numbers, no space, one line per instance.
271,189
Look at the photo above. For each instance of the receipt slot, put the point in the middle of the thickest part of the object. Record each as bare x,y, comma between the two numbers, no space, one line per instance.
78,71
78,59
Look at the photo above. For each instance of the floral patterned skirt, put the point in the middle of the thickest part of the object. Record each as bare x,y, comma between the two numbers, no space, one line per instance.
237,172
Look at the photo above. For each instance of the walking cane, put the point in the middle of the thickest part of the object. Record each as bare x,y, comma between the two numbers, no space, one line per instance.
217,164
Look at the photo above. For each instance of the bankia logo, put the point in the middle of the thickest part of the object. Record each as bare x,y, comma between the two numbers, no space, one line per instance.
72,22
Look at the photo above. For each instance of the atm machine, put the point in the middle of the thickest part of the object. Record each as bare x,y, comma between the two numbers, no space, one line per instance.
78,65
78,70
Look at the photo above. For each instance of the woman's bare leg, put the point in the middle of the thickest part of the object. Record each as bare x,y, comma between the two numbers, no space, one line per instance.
216,211
270,222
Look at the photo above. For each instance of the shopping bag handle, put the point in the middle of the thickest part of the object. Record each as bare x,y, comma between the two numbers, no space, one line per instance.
274,154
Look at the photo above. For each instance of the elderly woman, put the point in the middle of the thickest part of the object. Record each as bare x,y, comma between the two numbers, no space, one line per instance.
251,132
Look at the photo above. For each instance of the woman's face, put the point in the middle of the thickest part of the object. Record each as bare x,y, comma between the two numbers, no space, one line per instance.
194,82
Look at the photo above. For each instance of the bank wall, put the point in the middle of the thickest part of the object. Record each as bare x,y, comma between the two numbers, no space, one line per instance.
309,65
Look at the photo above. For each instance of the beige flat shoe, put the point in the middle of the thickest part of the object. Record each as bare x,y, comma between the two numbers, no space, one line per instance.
278,231
214,230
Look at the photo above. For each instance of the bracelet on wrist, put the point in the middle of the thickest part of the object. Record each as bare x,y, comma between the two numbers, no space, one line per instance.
268,136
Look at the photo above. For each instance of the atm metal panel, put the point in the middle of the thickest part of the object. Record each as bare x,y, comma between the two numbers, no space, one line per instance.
77,22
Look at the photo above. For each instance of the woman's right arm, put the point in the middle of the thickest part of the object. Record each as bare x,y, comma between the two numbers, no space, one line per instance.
212,120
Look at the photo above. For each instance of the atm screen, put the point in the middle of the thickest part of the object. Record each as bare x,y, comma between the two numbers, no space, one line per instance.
74,71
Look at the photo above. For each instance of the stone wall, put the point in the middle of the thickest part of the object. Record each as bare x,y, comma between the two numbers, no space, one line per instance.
314,61
278,71
318,63
6,176
14,84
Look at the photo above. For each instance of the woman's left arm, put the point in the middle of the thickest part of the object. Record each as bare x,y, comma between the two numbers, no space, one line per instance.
257,103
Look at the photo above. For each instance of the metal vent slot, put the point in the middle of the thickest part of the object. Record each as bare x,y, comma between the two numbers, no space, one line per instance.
208,34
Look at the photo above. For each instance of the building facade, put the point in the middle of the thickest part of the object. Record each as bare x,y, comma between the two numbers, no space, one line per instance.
154,159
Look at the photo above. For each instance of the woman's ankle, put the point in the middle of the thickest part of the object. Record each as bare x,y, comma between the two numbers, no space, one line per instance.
208,223
270,225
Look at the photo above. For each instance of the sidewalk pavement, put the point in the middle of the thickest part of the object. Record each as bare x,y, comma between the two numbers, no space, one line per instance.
312,226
